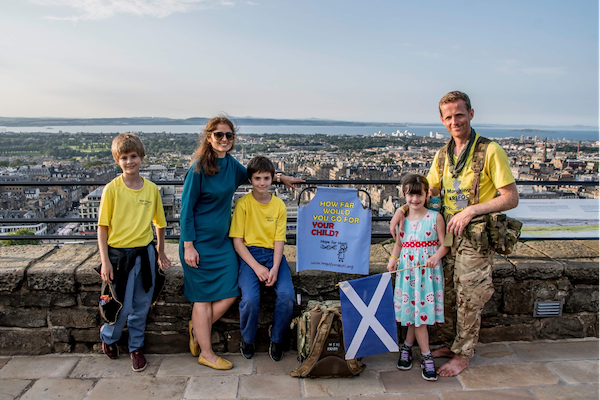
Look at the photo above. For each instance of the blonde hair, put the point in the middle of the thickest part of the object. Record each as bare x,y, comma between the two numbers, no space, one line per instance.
126,143
453,97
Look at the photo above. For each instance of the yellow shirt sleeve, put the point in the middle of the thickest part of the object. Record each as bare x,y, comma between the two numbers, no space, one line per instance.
281,223
238,220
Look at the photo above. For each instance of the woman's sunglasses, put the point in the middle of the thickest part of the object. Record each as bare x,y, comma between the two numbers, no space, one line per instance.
228,135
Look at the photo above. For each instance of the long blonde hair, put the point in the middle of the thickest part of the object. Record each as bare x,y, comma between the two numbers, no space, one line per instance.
205,155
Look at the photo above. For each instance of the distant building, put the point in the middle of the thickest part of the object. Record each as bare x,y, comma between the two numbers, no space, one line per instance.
88,208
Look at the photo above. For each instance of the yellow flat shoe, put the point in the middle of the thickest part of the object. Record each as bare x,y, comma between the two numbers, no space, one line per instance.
221,364
194,346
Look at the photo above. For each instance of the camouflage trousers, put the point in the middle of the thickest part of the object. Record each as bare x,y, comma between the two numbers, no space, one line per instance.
468,286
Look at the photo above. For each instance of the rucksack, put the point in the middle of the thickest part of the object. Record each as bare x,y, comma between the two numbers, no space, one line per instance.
321,343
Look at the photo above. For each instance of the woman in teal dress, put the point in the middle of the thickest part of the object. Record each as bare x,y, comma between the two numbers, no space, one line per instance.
210,264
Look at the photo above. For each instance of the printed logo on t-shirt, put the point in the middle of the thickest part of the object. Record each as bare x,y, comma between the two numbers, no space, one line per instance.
145,203
271,219
456,195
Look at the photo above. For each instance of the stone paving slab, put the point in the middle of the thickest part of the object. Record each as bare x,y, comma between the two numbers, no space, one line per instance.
592,244
584,371
211,387
100,366
57,271
63,389
38,367
406,397
411,381
3,360
501,394
139,389
14,260
363,385
549,351
507,375
384,361
11,388
269,387
582,392
493,353
186,365
264,364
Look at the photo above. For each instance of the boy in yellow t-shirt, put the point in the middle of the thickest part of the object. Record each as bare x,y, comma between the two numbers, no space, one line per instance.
128,205
258,232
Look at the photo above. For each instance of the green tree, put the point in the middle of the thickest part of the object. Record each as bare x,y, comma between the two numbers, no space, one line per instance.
20,232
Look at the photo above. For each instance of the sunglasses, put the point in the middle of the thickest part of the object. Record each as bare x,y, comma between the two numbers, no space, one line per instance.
228,135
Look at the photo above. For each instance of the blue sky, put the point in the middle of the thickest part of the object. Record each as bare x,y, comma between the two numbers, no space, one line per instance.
521,62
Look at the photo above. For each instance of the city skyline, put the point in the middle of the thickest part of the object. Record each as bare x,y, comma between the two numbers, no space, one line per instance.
528,63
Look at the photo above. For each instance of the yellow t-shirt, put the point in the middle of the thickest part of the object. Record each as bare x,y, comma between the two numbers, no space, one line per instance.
495,174
259,224
128,213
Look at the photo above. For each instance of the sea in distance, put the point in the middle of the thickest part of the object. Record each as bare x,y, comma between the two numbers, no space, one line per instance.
420,130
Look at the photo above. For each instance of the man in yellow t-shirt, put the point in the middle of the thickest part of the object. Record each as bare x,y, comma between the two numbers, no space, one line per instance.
258,233
467,273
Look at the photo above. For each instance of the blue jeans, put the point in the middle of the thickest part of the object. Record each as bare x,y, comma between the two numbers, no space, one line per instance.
135,308
250,303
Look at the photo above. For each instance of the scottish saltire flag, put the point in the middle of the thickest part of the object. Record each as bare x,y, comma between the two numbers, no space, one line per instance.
368,316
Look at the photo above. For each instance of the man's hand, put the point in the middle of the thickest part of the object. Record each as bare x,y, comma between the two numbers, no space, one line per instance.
163,261
397,221
272,276
262,273
106,272
460,221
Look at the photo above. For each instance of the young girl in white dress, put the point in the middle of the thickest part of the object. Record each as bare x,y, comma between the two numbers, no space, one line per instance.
419,292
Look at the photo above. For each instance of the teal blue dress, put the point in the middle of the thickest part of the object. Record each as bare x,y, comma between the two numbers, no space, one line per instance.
205,219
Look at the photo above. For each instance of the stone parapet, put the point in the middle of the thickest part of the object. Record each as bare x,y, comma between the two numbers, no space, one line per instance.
49,298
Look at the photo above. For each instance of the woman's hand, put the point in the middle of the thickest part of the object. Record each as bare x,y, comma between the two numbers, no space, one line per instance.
190,255
291,181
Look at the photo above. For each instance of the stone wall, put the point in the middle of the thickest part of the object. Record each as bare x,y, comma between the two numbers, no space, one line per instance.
49,298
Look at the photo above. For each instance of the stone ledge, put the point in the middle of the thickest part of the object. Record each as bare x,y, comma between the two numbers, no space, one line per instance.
14,260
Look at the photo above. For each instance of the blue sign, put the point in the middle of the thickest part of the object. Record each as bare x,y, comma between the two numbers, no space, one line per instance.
334,233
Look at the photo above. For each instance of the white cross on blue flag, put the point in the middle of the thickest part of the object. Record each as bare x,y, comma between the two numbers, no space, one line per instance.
368,316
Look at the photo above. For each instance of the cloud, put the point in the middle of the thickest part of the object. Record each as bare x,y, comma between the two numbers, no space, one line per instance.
102,9
512,67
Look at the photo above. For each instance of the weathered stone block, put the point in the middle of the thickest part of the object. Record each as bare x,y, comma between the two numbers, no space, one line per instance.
561,328
174,310
590,324
541,268
62,348
518,297
85,274
89,299
166,342
23,318
14,260
60,334
502,267
19,341
582,298
91,335
57,272
379,259
174,281
79,317
567,249
592,244
507,320
26,298
492,307
582,270
544,291
172,252
503,333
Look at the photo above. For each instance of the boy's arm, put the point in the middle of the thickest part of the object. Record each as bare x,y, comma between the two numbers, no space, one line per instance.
106,271
443,250
163,260
262,272
277,256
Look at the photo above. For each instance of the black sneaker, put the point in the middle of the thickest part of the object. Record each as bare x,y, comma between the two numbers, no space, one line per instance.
428,368
247,349
405,360
276,351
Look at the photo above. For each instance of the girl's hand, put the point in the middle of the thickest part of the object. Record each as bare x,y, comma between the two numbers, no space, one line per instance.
191,256
431,262
106,272
392,265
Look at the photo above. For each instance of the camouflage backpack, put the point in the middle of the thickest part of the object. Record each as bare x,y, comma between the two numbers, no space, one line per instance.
321,343
495,230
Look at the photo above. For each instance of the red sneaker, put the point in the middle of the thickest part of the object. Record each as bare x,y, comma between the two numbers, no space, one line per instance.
138,361
111,350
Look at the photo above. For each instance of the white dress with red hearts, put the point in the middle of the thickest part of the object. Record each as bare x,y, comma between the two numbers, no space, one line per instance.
419,292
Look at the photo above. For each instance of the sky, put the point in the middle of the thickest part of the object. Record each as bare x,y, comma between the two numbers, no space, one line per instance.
529,62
